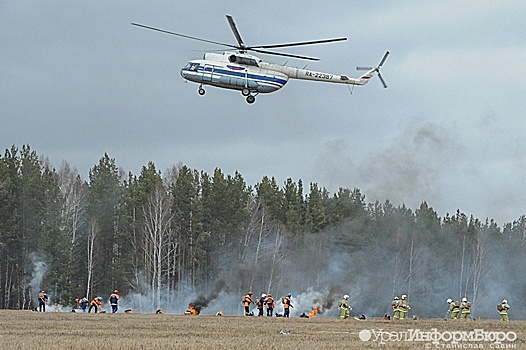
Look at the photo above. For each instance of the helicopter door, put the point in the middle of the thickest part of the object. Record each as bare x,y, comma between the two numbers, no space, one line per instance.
208,73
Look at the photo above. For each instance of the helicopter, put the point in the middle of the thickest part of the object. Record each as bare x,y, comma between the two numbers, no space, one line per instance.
242,71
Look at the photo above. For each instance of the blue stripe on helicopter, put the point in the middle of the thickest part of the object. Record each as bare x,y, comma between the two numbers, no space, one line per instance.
267,79
235,68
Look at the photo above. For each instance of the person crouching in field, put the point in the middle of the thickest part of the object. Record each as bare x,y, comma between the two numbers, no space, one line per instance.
83,304
95,304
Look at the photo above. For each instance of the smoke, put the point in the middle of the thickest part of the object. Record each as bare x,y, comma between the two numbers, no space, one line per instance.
37,276
202,301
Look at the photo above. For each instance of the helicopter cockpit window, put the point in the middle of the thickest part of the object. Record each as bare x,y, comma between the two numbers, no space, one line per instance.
191,66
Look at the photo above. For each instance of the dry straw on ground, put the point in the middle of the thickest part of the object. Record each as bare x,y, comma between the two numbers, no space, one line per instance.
34,330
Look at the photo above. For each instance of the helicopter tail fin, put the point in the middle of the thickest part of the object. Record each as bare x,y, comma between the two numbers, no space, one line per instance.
364,79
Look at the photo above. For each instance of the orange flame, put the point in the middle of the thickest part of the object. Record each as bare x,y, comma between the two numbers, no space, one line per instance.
315,311
191,310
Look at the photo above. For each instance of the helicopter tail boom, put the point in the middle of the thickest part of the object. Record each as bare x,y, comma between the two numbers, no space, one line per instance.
305,74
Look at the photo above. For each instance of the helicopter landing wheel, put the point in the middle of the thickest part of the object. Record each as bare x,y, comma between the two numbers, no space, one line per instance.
251,99
245,92
201,91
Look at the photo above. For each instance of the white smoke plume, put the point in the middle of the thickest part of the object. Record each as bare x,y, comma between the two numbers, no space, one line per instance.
37,276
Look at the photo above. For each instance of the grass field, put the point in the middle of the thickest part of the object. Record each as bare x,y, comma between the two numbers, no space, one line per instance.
34,330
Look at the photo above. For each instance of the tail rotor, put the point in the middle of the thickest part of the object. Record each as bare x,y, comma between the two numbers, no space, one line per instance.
377,69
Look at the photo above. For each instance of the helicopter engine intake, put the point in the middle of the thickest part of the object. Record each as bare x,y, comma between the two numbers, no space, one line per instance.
242,60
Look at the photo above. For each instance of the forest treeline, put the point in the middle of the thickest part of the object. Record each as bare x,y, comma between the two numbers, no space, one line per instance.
159,233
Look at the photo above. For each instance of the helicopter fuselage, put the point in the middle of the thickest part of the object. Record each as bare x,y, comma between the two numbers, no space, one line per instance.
251,75
234,71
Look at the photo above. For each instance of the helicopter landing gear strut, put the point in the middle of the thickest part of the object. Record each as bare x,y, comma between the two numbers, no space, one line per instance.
201,91
250,98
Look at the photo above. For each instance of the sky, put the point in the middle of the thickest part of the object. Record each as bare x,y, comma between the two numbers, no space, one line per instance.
78,80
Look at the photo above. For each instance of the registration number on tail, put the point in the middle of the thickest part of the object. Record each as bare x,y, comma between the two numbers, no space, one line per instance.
319,75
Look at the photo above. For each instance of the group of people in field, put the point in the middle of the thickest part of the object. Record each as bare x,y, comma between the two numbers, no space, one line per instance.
96,303
84,304
463,309
268,302
457,310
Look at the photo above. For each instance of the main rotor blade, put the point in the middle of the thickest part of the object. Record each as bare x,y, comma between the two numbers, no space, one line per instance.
184,36
236,32
297,43
284,54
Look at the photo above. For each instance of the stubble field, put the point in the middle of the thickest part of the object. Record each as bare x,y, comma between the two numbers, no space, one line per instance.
34,330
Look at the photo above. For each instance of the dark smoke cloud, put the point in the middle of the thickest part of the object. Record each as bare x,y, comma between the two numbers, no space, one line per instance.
327,300
202,301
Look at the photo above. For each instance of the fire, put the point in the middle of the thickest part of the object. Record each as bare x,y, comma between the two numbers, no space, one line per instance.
315,311
191,310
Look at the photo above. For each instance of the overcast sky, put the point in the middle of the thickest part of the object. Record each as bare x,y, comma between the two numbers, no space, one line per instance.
77,80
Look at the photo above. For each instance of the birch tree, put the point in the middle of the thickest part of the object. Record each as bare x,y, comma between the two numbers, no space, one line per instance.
157,231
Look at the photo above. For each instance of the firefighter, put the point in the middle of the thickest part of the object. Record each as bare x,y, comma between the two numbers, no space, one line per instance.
287,305
42,300
247,300
270,305
260,304
503,308
396,310
95,304
345,307
83,304
454,308
114,301
404,307
465,309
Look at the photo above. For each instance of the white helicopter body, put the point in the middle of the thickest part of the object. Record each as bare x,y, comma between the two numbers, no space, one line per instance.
251,75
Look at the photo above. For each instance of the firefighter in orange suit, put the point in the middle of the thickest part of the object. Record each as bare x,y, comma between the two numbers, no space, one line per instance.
260,303
287,305
247,300
114,301
95,304
270,305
